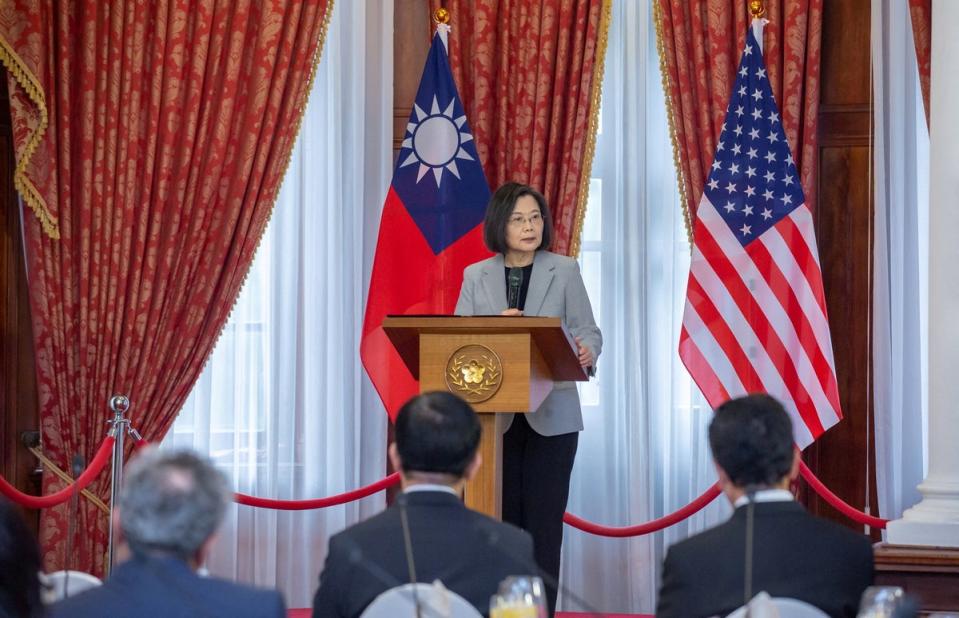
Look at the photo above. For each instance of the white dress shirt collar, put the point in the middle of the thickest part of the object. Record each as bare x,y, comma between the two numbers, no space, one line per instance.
429,487
766,495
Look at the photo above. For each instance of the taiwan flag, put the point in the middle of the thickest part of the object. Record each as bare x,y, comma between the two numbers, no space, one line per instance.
431,227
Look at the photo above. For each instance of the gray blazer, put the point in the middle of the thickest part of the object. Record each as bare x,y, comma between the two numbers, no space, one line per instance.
555,289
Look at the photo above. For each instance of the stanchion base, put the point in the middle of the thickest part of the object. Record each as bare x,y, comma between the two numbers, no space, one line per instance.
924,533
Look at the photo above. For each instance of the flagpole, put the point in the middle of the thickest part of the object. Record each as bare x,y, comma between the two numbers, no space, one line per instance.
441,17
757,9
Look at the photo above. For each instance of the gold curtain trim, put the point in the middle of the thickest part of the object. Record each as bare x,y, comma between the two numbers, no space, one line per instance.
66,478
31,85
664,71
324,28
595,100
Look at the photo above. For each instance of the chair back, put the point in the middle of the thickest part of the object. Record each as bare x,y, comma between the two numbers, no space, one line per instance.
435,601
62,584
764,606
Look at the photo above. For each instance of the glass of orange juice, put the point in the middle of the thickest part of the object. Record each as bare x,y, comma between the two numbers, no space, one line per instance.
519,596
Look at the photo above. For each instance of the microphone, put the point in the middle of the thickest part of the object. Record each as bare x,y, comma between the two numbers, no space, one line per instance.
77,469
408,550
492,539
515,279
748,561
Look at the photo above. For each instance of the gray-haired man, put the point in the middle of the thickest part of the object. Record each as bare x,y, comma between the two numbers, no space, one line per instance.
170,507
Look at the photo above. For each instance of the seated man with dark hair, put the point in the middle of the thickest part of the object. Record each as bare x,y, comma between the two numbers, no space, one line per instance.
170,507
435,450
794,554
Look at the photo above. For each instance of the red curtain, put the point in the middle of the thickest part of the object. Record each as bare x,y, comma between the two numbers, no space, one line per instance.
700,43
921,11
529,74
150,138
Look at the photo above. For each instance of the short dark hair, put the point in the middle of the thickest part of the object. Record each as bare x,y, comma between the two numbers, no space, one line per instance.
19,565
499,210
437,432
752,440
171,502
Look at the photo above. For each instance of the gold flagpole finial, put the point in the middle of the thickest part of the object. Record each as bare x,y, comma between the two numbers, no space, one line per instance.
441,15
757,8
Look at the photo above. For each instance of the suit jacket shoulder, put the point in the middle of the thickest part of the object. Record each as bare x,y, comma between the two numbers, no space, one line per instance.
795,555
558,260
167,587
469,552
477,268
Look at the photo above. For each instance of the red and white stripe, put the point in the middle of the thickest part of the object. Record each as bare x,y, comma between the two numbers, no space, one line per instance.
755,319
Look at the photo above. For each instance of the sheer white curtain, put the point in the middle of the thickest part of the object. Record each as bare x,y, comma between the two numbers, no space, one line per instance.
283,407
900,258
643,452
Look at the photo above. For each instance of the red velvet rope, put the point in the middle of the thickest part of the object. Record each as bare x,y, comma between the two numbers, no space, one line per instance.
318,503
313,503
837,502
106,448
44,502
577,522
651,526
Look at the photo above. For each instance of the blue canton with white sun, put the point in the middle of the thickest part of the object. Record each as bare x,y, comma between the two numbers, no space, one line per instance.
438,175
753,182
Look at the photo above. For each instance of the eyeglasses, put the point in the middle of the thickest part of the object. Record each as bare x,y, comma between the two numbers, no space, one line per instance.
521,221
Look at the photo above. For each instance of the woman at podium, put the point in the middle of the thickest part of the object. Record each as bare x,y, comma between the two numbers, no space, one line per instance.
524,278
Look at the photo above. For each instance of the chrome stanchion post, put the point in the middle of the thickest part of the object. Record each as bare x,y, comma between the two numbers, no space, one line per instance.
118,429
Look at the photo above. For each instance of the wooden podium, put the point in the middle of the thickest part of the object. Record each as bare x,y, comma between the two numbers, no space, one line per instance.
499,364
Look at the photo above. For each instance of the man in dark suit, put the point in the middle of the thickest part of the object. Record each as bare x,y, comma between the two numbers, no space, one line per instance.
793,553
435,450
169,509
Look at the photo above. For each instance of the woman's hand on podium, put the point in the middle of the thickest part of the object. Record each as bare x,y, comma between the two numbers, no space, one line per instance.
585,355
513,312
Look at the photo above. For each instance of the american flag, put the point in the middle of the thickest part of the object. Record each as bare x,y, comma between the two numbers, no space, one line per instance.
755,315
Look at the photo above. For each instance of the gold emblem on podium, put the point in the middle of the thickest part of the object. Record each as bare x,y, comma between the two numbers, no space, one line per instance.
474,372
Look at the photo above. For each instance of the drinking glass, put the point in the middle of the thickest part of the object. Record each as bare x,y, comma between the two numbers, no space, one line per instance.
880,601
519,596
